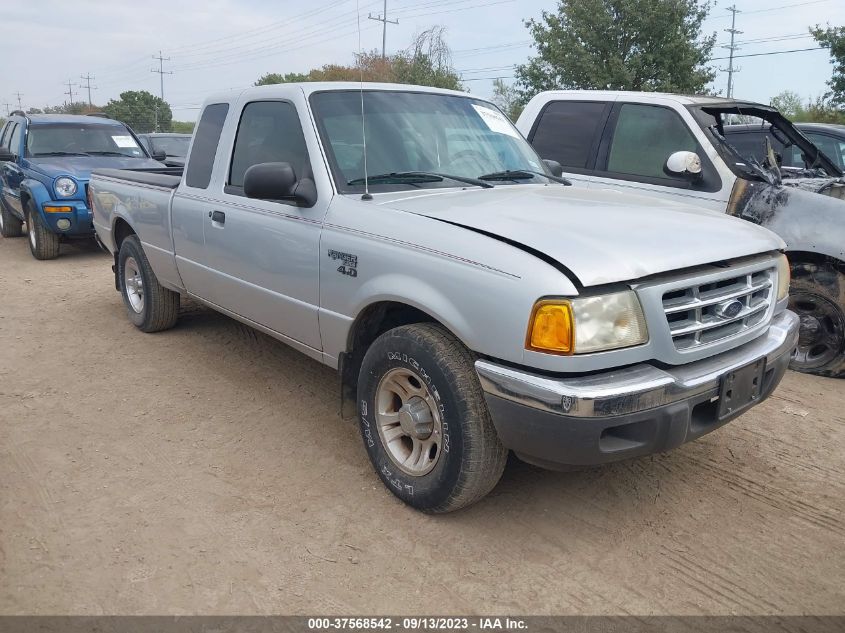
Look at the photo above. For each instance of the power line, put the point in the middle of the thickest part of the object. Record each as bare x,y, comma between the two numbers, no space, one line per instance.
382,17
87,77
732,47
794,50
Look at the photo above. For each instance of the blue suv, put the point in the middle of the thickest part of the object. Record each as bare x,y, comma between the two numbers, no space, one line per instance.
46,161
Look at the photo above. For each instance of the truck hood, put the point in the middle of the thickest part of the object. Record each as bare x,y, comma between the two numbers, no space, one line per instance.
601,236
80,167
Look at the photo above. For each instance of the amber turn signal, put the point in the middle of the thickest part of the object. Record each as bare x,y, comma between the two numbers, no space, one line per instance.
52,209
551,329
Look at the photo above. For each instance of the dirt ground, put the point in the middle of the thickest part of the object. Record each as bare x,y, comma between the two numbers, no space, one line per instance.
206,470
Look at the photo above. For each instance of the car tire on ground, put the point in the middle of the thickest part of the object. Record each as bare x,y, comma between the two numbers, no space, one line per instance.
43,243
10,226
150,306
424,421
817,295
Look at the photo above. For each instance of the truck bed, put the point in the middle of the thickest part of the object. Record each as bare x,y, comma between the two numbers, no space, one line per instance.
165,177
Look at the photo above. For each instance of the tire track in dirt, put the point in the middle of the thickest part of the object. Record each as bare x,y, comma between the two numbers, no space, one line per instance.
777,498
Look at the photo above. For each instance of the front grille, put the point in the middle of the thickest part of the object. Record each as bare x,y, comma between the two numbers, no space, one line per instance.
716,310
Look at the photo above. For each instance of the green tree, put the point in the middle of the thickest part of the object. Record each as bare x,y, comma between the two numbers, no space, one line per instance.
507,98
653,45
77,107
788,103
140,110
182,127
833,38
35,111
821,110
276,78
426,62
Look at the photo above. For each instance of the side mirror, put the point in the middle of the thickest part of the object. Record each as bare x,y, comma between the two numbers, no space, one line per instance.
686,164
277,181
555,167
159,156
6,155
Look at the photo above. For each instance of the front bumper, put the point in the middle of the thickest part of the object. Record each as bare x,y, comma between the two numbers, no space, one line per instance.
617,414
79,219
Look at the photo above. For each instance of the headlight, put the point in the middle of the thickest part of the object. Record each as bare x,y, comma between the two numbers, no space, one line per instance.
784,275
587,324
65,186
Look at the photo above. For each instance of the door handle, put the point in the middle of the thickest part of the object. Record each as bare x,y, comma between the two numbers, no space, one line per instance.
217,216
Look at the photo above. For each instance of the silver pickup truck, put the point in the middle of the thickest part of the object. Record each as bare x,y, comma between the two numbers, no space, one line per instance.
472,302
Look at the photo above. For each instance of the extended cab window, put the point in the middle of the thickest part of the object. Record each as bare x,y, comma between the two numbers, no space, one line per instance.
206,139
645,136
269,132
567,131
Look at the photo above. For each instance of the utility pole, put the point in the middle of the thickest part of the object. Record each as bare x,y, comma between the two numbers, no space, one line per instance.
19,95
161,72
732,48
383,19
8,108
70,90
88,79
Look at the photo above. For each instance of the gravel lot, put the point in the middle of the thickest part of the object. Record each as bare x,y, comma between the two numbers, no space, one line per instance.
206,470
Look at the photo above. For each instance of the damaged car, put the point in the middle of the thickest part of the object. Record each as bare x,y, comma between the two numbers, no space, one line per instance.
680,147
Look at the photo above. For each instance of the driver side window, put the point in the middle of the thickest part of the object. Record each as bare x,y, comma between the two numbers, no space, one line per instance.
268,132
645,136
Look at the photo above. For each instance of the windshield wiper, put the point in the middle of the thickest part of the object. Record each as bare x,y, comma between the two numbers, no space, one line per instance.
413,177
522,174
60,154
110,154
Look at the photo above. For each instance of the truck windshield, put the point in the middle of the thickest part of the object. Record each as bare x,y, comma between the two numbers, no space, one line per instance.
170,145
81,139
410,134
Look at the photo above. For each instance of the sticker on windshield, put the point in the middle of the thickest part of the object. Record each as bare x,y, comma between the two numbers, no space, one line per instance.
495,121
124,141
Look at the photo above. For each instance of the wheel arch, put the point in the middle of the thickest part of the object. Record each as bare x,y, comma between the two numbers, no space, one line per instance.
371,322
121,229
796,257
33,191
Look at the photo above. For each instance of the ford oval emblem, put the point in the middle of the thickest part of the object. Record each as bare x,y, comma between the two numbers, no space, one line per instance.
729,309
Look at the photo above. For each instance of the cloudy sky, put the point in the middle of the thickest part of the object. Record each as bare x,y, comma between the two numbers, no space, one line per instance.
227,44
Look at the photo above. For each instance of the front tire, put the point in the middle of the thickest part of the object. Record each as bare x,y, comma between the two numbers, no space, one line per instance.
10,226
424,420
43,243
817,295
150,306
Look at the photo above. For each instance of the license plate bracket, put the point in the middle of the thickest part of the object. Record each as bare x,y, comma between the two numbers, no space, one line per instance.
741,388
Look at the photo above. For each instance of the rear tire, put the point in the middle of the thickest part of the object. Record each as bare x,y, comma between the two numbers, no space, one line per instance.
150,306
817,296
10,226
424,420
43,243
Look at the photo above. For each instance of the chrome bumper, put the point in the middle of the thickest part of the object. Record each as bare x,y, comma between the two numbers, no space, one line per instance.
638,387
629,412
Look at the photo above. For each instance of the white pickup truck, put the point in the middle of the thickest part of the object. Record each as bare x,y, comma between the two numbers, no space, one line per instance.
678,147
472,301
